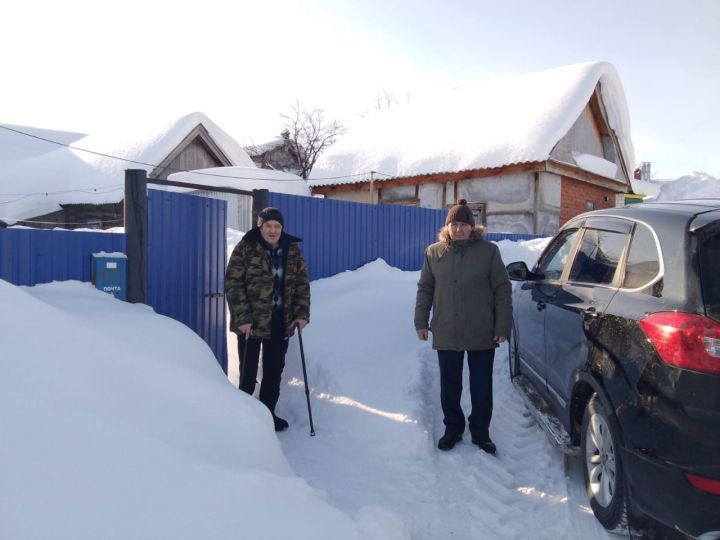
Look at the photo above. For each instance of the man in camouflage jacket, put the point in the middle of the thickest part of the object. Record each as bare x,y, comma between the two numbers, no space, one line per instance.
268,294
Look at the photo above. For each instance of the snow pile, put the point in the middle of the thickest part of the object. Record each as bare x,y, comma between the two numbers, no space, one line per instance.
696,185
516,119
118,423
376,411
596,164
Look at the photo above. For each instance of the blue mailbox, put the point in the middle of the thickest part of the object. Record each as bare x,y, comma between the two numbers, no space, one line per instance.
109,273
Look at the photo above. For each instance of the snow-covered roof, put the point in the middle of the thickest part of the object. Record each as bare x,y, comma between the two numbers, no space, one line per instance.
246,178
516,119
258,149
37,176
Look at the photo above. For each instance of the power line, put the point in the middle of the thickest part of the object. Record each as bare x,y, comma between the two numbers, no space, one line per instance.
98,190
16,220
101,154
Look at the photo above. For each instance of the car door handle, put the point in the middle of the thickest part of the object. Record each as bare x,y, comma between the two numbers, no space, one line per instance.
591,313
541,306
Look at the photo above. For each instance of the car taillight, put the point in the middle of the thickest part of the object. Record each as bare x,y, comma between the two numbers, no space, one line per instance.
684,340
704,484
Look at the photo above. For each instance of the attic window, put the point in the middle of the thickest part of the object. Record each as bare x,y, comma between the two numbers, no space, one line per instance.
609,149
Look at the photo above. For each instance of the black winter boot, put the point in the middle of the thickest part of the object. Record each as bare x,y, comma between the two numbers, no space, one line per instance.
485,444
280,423
449,440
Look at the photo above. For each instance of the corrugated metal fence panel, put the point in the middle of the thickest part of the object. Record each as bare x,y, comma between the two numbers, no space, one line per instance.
513,237
186,263
342,235
32,256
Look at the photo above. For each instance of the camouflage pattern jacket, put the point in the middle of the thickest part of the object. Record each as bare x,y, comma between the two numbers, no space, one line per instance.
249,284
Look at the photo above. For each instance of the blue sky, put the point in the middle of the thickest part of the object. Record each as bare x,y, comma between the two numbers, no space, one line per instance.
82,65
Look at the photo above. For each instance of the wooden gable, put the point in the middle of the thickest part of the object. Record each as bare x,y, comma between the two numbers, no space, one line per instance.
197,150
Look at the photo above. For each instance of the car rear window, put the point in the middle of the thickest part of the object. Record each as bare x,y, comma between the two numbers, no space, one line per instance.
709,261
643,261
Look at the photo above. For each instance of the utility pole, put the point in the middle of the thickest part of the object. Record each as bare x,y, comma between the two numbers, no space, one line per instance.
136,234
372,189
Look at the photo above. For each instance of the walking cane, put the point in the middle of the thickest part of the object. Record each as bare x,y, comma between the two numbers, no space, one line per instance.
243,362
307,390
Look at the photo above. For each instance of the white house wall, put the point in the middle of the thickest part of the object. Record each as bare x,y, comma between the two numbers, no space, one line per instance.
362,196
430,195
511,204
548,213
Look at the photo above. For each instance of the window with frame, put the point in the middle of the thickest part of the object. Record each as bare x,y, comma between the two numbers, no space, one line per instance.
598,257
553,262
643,260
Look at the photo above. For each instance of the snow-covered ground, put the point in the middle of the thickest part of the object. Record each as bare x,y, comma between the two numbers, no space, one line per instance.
116,422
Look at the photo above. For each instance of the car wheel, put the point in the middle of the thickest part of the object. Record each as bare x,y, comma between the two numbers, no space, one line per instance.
513,363
602,466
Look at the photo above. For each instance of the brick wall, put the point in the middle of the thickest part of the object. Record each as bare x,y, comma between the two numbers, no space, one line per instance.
575,195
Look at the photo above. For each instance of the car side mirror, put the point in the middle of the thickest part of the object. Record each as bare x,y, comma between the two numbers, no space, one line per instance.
518,271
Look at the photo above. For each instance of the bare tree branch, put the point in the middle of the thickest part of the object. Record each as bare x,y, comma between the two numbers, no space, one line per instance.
310,135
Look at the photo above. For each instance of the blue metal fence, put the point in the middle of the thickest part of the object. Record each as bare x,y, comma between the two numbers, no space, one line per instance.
513,237
187,249
32,256
186,260
342,235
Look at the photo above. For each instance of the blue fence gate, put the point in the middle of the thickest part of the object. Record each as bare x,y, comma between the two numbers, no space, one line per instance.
186,260
186,263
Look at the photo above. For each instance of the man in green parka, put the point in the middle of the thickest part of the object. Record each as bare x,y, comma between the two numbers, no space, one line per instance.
464,282
268,293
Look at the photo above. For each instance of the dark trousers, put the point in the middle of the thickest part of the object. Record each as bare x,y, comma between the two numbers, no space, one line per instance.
273,355
451,382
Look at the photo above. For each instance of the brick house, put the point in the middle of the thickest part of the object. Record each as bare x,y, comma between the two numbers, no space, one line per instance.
527,152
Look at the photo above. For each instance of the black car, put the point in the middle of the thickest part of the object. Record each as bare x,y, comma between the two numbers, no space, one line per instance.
616,345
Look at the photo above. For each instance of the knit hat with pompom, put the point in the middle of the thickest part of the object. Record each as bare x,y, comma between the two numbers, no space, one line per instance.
460,213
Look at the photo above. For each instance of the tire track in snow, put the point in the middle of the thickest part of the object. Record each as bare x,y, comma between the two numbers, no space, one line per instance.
519,493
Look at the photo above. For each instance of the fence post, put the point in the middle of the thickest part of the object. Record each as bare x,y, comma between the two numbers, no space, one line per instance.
136,232
261,199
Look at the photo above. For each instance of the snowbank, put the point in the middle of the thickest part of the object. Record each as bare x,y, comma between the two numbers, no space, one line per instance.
118,423
696,185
